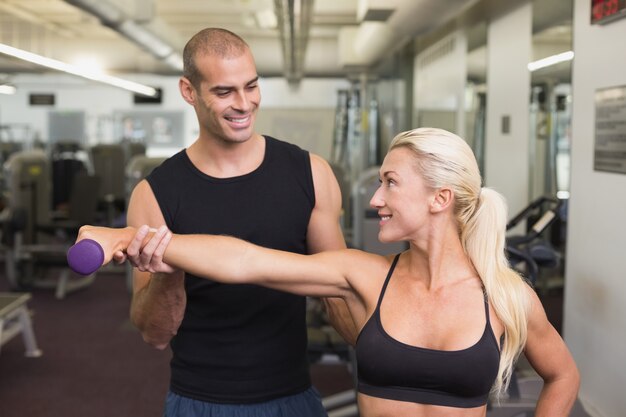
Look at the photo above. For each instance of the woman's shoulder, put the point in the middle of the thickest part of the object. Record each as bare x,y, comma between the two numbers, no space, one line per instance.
367,269
369,259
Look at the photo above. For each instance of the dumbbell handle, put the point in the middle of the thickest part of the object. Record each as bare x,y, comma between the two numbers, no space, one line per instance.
85,257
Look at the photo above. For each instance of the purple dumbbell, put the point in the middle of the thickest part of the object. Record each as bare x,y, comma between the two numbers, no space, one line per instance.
85,257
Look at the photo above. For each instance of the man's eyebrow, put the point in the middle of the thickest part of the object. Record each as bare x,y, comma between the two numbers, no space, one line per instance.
221,88
230,87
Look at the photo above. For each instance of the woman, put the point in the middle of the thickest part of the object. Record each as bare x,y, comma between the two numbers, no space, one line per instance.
441,323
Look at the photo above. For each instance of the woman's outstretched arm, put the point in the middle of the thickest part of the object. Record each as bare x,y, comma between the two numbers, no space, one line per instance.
230,260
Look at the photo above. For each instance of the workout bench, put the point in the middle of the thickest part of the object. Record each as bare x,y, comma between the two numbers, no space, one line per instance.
14,319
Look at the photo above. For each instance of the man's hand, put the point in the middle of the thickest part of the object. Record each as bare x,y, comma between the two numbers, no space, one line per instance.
150,257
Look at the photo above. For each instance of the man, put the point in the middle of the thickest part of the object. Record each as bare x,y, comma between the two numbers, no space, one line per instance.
237,350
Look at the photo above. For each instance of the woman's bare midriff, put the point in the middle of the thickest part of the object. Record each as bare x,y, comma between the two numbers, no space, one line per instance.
380,407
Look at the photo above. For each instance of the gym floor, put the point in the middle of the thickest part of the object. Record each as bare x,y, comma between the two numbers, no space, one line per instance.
94,362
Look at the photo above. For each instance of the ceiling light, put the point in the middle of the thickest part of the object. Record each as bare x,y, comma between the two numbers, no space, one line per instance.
551,60
7,89
74,70
88,63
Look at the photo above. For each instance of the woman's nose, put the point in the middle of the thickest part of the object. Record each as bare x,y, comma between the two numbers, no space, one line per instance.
376,200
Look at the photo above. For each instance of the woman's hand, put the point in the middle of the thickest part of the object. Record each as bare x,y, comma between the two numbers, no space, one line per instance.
112,241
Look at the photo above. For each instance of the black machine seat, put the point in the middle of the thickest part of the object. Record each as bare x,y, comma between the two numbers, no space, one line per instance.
533,251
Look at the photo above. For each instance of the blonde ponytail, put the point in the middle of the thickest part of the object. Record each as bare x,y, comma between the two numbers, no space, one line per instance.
483,239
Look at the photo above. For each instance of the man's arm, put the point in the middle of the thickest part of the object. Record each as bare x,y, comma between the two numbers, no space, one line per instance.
324,233
159,299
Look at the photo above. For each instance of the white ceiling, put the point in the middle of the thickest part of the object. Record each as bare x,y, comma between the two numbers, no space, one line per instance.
64,32
57,29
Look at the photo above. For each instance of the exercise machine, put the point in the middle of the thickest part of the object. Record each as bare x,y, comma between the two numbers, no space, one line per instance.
35,241
534,251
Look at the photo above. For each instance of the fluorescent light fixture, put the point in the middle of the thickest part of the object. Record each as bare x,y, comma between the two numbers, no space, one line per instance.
7,89
88,63
74,70
551,60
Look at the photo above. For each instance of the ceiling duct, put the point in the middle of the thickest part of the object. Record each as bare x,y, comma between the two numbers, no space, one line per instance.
294,22
139,29
372,41
375,10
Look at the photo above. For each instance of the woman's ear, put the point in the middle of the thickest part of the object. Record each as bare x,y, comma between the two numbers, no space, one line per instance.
443,199
187,90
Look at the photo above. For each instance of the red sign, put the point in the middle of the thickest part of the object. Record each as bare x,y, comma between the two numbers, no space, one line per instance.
604,11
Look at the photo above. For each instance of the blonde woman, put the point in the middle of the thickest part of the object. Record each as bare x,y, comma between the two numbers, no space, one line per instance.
442,323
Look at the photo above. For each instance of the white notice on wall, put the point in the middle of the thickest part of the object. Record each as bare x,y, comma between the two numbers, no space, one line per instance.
610,140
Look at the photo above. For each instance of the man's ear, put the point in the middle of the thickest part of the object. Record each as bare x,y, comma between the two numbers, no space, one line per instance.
442,199
187,90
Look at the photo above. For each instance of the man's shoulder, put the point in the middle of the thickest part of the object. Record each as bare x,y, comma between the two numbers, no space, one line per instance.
163,170
287,151
180,155
272,141
175,159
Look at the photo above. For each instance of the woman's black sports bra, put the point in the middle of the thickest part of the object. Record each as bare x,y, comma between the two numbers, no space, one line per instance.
393,370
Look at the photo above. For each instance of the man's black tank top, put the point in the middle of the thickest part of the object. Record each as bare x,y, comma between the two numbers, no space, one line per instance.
240,343
393,370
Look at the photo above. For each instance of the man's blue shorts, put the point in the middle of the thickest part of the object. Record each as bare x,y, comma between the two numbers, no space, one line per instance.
305,404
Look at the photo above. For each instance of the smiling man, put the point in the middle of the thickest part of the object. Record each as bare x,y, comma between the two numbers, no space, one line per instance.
237,349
